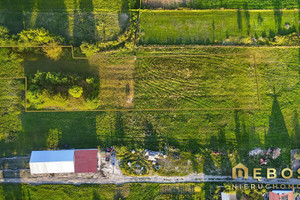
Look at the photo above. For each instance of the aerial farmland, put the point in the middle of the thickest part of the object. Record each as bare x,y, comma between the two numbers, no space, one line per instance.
170,94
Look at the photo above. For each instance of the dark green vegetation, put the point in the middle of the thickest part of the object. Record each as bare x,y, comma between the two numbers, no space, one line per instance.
227,4
217,26
61,91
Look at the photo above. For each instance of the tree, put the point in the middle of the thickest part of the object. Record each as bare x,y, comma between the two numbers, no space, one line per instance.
53,137
4,35
76,91
89,49
53,51
42,37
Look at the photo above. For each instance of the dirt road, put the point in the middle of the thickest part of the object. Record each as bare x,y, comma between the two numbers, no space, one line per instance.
121,179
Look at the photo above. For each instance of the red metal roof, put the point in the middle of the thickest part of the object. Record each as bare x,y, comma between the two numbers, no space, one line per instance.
86,161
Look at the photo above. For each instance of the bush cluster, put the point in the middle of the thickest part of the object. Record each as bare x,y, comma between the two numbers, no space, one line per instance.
61,88
51,44
126,40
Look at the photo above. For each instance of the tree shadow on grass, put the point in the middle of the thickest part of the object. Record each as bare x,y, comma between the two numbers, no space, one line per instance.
84,23
13,191
150,140
12,15
78,130
119,128
278,15
277,135
56,21
247,16
96,196
296,127
240,20
35,62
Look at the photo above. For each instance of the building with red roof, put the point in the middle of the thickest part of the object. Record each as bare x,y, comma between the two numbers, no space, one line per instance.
281,195
86,161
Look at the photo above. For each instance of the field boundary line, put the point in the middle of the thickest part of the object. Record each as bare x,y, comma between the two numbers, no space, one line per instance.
68,10
215,46
212,10
141,110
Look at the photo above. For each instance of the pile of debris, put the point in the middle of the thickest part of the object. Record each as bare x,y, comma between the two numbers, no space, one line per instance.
265,155
154,155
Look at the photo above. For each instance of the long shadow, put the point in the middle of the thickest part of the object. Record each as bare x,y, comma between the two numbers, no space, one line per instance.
84,23
278,15
240,19
12,191
208,165
277,135
237,129
124,15
296,126
12,14
96,196
56,21
247,16
119,128
241,134
224,150
151,140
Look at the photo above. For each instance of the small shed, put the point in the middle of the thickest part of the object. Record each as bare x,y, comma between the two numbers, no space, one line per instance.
44,162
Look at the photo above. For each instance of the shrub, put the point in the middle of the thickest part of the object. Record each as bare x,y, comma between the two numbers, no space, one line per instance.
76,91
38,37
88,49
53,52
291,39
42,37
4,35
297,156
53,137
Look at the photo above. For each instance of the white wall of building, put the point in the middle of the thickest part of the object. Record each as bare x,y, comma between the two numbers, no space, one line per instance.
52,167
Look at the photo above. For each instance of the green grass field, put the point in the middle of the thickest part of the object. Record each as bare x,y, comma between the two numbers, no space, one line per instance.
200,81
227,4
213,27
